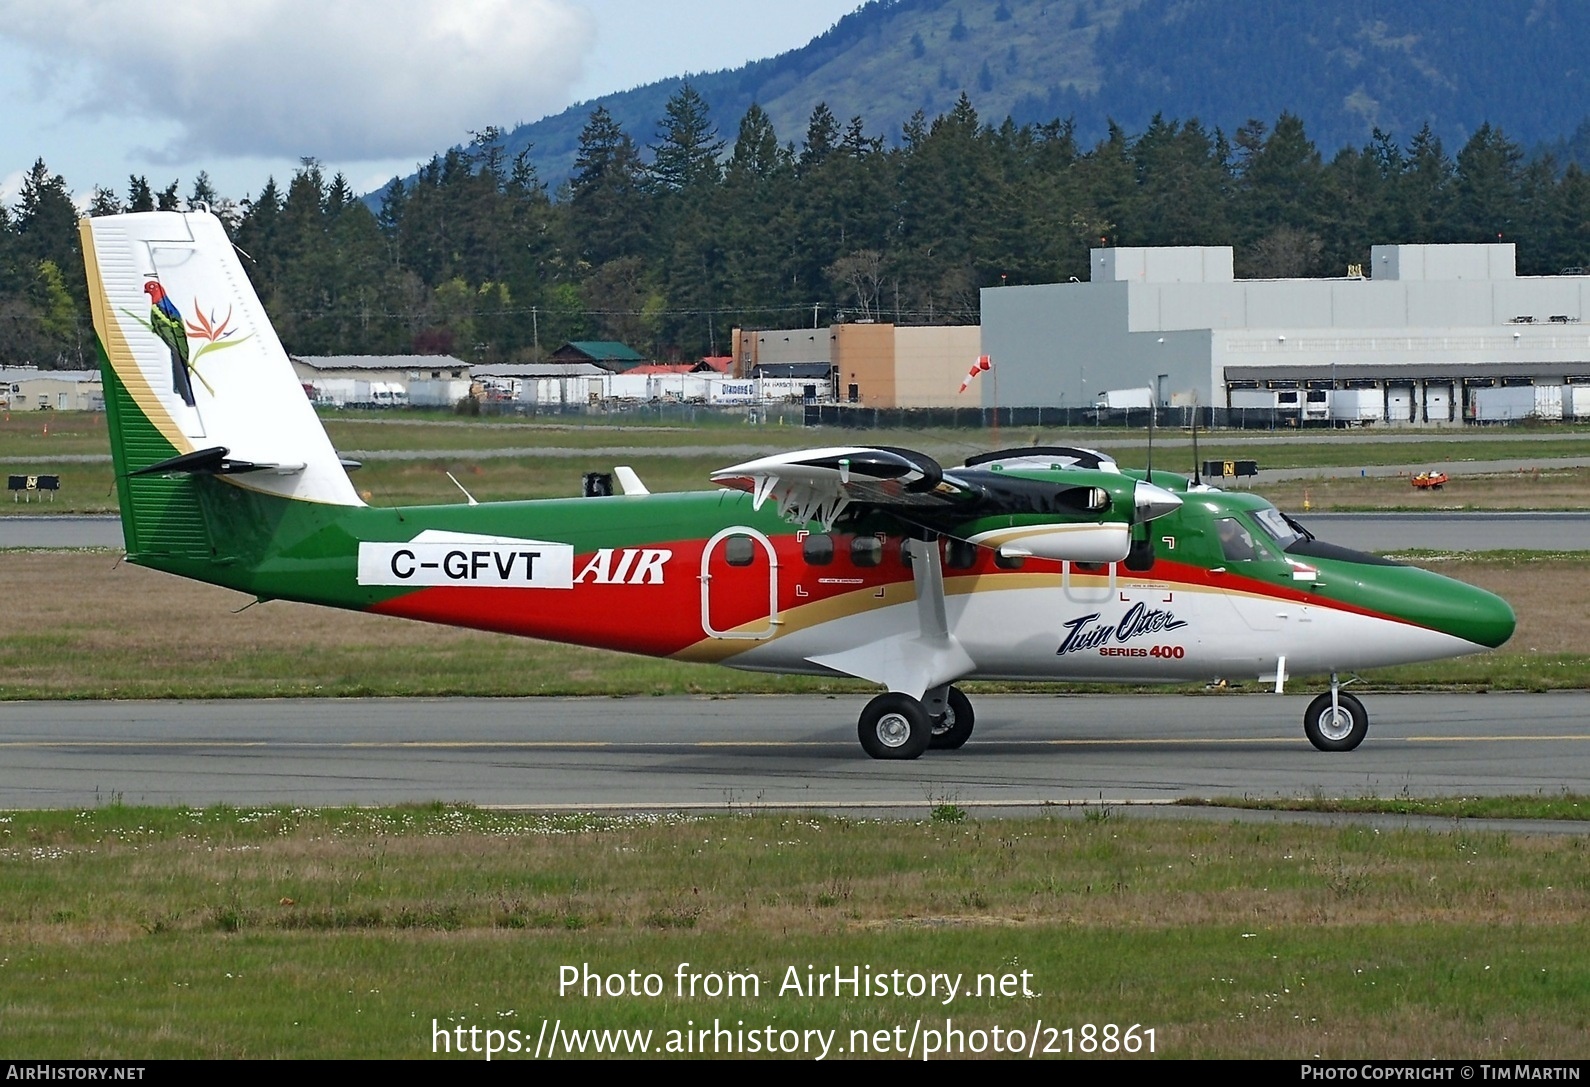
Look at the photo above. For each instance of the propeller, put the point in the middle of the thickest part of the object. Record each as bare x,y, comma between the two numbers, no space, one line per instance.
1151,501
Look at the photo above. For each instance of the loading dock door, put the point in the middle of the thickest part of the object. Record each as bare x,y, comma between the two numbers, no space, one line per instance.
1399,403
1438,403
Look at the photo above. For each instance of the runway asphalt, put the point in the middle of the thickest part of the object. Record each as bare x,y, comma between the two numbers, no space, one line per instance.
794,751
1501,531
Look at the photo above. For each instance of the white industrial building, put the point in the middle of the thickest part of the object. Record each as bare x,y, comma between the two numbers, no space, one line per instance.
384,381
1427,334
565,385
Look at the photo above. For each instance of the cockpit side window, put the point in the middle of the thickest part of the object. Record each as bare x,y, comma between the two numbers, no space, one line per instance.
1236,542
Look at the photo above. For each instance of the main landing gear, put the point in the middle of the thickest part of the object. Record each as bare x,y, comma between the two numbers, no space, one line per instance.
897,726
1336,721
953,727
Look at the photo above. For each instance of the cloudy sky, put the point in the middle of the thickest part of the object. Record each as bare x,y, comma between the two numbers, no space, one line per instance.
101,89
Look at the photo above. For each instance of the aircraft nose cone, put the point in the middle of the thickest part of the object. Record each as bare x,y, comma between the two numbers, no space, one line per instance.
1470,613
1438,603
1483,618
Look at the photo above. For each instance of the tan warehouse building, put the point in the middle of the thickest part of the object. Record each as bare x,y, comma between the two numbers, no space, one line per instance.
872,365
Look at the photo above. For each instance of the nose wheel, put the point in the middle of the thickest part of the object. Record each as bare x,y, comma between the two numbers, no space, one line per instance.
1336,722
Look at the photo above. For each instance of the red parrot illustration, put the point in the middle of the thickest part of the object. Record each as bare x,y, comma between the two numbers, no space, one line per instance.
166,322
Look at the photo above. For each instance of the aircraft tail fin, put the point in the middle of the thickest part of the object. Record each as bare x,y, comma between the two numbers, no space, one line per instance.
197,386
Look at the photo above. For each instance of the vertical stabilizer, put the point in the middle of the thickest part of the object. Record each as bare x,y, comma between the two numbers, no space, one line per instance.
192,365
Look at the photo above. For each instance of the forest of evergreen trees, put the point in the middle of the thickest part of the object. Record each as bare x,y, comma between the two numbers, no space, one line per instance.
669,240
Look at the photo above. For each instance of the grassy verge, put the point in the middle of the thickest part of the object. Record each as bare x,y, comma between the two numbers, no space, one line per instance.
1570,806
134,933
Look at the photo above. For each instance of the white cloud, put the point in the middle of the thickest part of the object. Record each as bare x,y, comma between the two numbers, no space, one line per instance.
11,186
348,80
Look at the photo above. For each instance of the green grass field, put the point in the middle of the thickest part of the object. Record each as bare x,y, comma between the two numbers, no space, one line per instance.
133,933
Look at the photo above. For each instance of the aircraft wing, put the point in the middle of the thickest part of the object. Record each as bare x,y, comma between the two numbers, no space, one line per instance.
1082,514
820,484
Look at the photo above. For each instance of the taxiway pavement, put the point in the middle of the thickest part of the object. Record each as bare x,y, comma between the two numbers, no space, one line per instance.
797,751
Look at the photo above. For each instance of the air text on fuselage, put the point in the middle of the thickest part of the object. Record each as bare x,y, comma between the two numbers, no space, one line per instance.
625,566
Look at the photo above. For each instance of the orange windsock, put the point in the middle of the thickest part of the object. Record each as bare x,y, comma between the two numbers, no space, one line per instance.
983,363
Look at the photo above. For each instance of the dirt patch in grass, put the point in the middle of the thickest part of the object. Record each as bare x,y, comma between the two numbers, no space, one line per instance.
1534,489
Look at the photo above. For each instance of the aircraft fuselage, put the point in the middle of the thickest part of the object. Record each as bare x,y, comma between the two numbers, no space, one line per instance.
704,577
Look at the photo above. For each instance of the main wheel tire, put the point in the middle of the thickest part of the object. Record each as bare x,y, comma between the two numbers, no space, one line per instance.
953,727
894,726
1339,729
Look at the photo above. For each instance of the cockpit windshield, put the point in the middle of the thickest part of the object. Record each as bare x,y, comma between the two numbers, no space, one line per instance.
1279,527
1298,541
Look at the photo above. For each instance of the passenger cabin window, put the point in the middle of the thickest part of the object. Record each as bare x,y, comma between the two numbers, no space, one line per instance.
960,555
818,549
739,550
1009,562
866,551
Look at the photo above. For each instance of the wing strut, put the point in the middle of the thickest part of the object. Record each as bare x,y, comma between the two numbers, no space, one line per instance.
916,661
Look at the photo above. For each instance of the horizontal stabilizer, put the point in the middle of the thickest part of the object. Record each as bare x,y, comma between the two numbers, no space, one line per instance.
212,461
629,481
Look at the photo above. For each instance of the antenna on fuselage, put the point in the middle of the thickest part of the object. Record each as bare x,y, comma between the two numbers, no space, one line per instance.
1140,557
1153,413
460,486
1197,464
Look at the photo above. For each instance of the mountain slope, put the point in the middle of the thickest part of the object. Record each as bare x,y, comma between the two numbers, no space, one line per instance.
1345,67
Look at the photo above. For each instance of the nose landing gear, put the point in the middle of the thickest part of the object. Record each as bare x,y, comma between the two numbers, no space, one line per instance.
1336,721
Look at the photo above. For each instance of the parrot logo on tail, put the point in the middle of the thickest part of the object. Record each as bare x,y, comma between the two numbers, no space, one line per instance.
165,321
